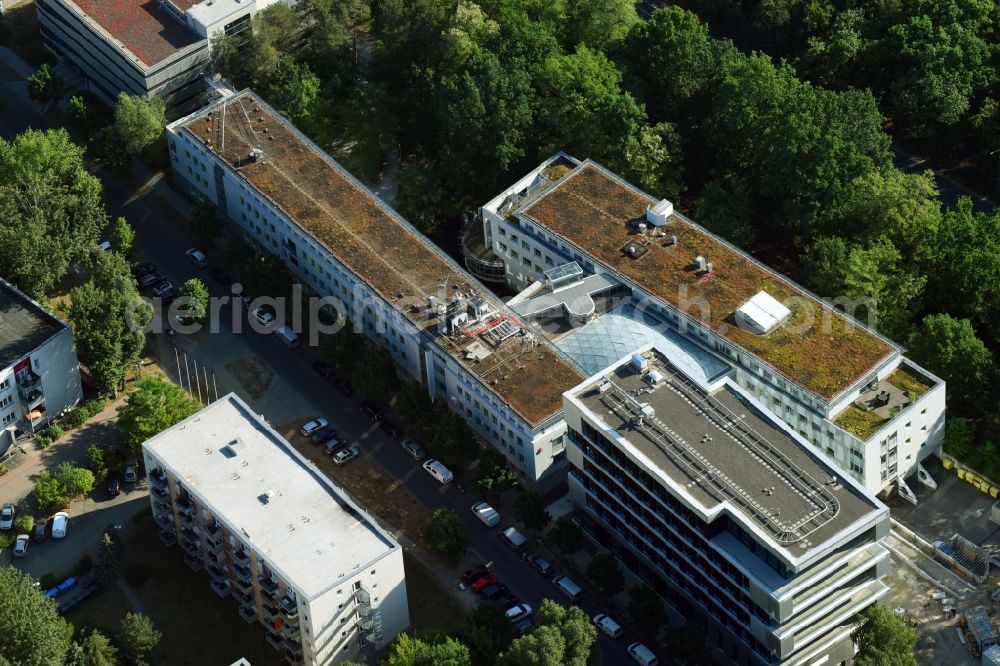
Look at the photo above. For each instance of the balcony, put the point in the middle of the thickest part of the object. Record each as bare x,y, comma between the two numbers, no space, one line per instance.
158,477
242,557
270,613
269,584
220,587
168,537
165,521
293,652
217,569
242,574
289,608
185,507
275,641
193,562
160,493
291,630
249,614
244,599
31,398
213,532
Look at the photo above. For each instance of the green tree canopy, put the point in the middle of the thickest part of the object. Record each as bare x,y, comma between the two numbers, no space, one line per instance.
950,348
293,89
31,631
604,572
447,534
95,649
195,299
565,536
959,437
205,223
139,122
453,442
154,405
530,509
882,638
563,636
108,567
51,209
44,85
377,378
138,638
445,651
49,492
123,237
74,480
645,612
600,24
487,632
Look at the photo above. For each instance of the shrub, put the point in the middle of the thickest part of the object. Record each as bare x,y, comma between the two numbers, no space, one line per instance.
49,492
95,458
48,581
55,431
3,469
83,566
42,441
137,574
23,523
6,540
74,419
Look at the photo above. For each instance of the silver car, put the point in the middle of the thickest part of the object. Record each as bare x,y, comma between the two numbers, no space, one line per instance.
7,517
21,545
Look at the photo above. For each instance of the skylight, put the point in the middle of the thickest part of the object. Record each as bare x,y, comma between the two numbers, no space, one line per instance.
762,313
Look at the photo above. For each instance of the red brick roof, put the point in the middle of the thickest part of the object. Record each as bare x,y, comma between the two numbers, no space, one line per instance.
142,26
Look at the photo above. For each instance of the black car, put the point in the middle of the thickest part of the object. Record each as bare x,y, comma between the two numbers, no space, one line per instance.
524,626
495,591
540,564
38,534
371,411
219,275
323,435
346,386
143,269
394,430
322,368
331,446
113,484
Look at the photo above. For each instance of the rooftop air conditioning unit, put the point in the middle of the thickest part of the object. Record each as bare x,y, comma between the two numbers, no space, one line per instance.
658,213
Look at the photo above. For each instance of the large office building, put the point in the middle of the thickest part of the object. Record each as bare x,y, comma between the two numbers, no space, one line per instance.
603,268
270,530
39,373
142,47
442,327
725,510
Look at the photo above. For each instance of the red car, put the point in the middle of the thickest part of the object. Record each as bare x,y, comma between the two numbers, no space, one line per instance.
483,581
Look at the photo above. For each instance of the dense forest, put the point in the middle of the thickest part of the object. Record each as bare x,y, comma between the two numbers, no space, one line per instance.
787,157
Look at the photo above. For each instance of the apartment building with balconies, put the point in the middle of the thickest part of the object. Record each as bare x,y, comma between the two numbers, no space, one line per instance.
39,372
735,519
602,265
442,327
296,554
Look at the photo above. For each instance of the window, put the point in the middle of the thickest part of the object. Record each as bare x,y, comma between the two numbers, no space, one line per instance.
6,401
9,418
4,384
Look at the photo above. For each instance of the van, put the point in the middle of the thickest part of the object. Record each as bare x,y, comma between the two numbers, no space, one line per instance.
566,585
288,336
606,624
437,470
642,654
514,538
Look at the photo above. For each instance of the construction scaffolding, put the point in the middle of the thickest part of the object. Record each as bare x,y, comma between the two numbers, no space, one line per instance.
963,555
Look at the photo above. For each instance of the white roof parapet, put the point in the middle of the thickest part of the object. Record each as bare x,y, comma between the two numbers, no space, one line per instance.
762,312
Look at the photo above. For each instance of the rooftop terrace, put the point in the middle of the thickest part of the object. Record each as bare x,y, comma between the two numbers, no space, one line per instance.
24,325
719,449
394,259
816,347
143,27
307,528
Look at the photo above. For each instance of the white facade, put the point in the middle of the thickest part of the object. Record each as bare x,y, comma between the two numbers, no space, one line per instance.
39,373
269,529
882,460
764,601
535,450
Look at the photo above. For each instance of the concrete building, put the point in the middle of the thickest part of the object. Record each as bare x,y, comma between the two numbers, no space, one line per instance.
269,529
603,266
39,373
727,512
442,327
142,47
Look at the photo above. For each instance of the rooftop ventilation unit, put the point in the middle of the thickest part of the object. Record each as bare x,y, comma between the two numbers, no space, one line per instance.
638,362
700,262
657,214
256,155
655,378
634,249
762,313
266,496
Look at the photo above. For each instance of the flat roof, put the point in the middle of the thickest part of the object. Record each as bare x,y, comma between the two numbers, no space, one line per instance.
143,27
311,533
24,325
719,448
376,244
592,209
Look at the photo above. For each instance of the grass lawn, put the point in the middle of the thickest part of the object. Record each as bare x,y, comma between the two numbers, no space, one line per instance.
431,609
859,423
103,611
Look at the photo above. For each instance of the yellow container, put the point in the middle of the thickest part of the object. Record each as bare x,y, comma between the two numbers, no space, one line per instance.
947,463
994,491
961,473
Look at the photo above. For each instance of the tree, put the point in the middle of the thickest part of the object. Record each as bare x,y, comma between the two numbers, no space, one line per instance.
565,536
645,611
604,572
453,442
959,437
445,651
51,207
600,24
49,493
494,475
267,275
108,567
194,298
79,118
949,347
123,238
530,509
108,319
486,632
378,378
293,89
31,630
139,122
138,638
883,638
687,644
44,85
563,636
154,405
75,481
344,348
724,208
23,523
94,650
416,409
447,534
205,223
95,458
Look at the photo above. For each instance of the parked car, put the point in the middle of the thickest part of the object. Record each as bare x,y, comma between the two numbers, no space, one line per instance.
415,450
163,288
513,538
131,474
642,654
518,613
344,456
369,409
606,624
322,368
7,517
105,246
495,591
197,257
437,470
323,435
112,484
60,522
482,582
394,430
345,385
312,426
524,626
541,564
263,314
143,269
149,279
486,514
38,534
332,445
219,275
475,572
21,545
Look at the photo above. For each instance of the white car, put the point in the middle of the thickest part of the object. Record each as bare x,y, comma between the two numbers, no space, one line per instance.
197,257
21,545
486,514
7,517
606,624
60,522
311,427
517,613
263,315
344,456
